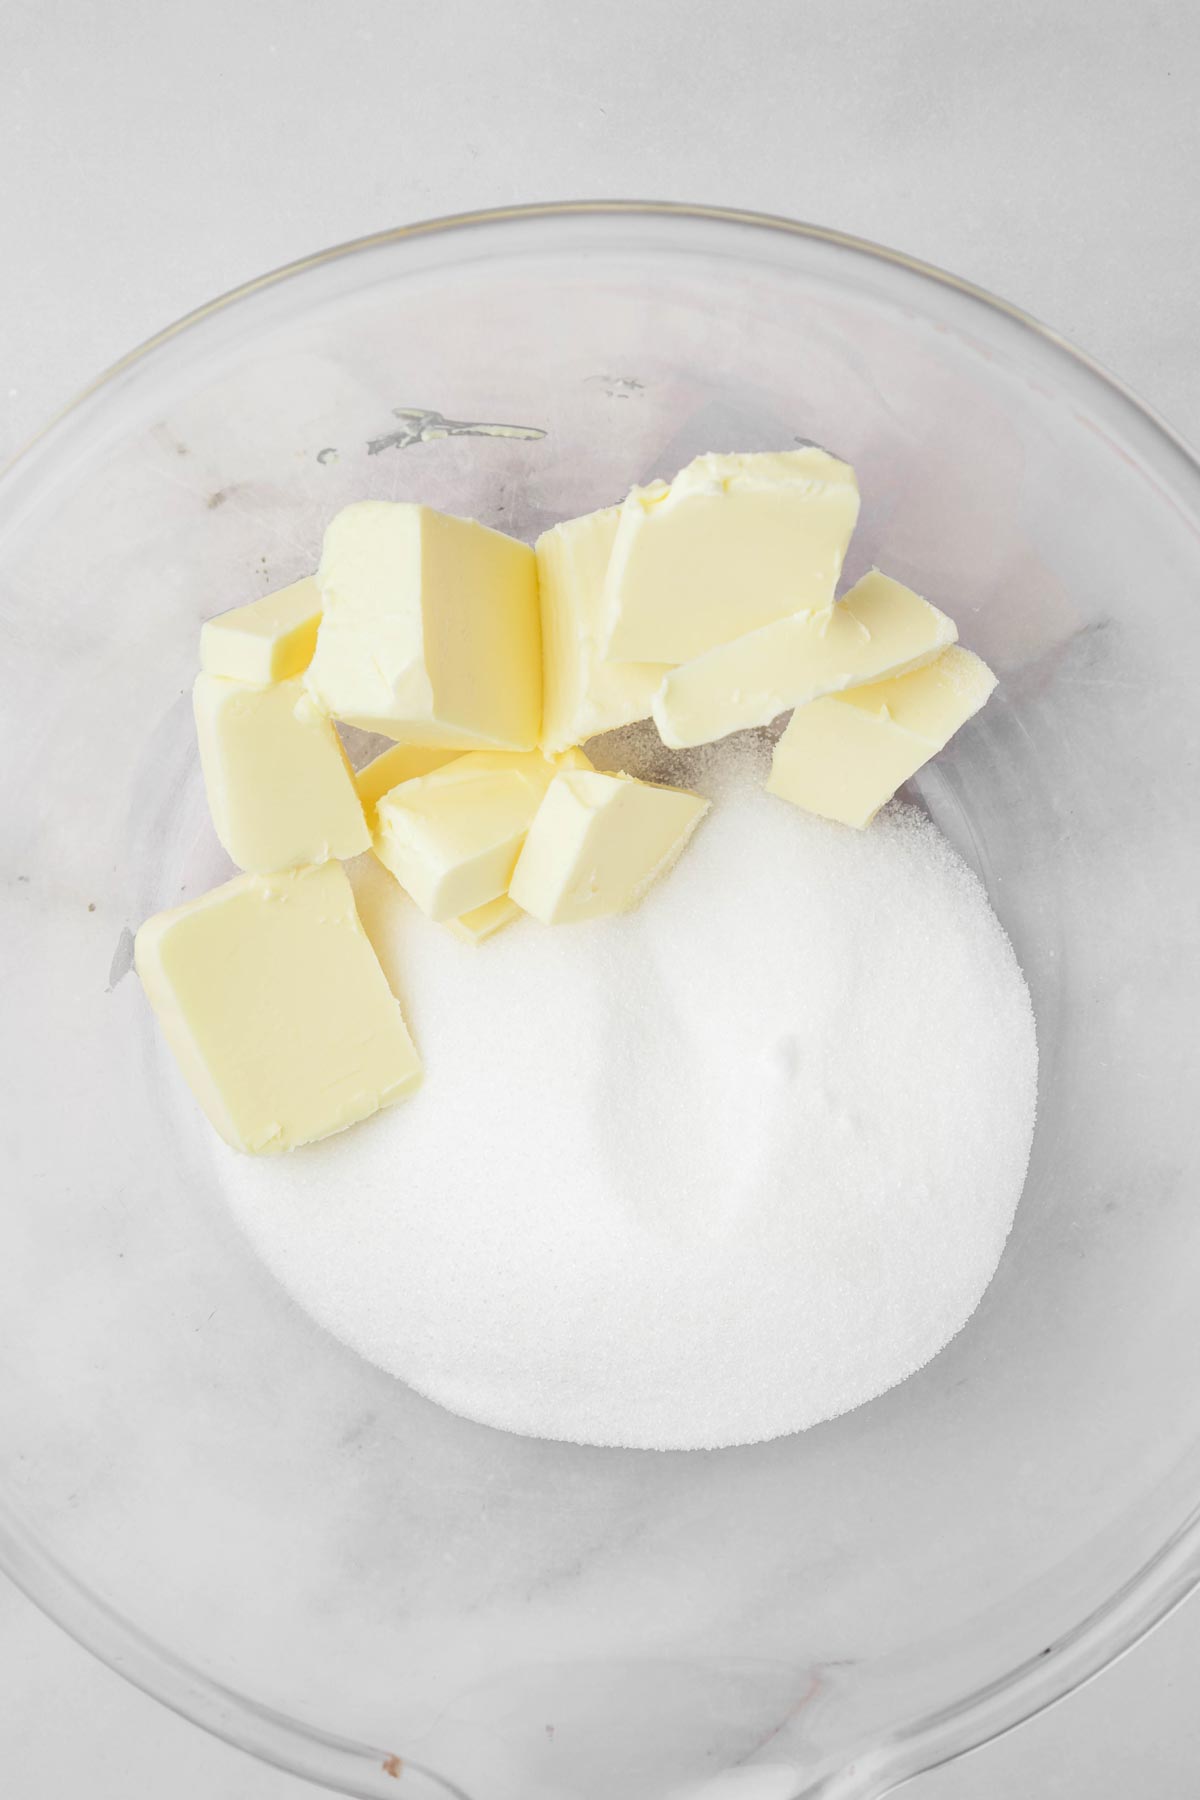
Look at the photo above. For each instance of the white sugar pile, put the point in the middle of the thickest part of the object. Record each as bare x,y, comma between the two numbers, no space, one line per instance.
702,1175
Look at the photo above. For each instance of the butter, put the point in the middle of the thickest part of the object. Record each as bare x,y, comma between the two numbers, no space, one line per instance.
483,922
582,694
574,758
431,631
597,843
732,543
880,628
280,790
401,763
277,1012
845,756
271,639
451,838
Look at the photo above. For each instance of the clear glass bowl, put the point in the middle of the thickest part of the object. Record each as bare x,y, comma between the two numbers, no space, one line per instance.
288,1546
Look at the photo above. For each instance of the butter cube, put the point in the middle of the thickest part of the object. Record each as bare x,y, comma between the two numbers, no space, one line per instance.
845,756
280,790
401,763
275,1008
483,922
582,694
451,838
598,842
880,628
271,639
431,631
732,543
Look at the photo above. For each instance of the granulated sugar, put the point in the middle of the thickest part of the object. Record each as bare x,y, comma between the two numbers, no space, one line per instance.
701,1175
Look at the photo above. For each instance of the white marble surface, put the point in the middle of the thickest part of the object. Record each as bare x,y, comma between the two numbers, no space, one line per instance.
156,154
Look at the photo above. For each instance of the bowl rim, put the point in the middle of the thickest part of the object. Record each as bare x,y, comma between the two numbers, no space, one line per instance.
973,1718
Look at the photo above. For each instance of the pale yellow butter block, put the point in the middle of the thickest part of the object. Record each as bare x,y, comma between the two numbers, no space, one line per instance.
280,790
403,762
431,630
451,838
483,922
271,639
582,694
879,628
276,1009
732,543
598,842
844,757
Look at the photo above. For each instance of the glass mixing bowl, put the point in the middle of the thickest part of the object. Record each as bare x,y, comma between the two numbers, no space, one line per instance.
285,1544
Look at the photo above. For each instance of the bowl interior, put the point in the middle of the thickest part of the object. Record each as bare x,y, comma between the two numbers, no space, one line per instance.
529,1619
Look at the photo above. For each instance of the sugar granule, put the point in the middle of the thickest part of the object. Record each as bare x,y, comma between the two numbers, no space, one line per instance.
701,1175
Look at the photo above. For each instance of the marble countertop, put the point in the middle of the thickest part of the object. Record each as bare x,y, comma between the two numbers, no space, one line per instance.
158,155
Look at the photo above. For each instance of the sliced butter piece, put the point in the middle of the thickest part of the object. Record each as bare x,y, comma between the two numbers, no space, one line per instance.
844,757
431,631
597,843
271,639
452,838
280,790
732,543
483,922
583,695
276,1009
403,762
879,628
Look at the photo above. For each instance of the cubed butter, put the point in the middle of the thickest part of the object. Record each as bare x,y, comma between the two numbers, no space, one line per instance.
844,757
451,838
431,631
597,842
582,694
280,790
403,762
276,1009
880,628
271,639
732,543
483,922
